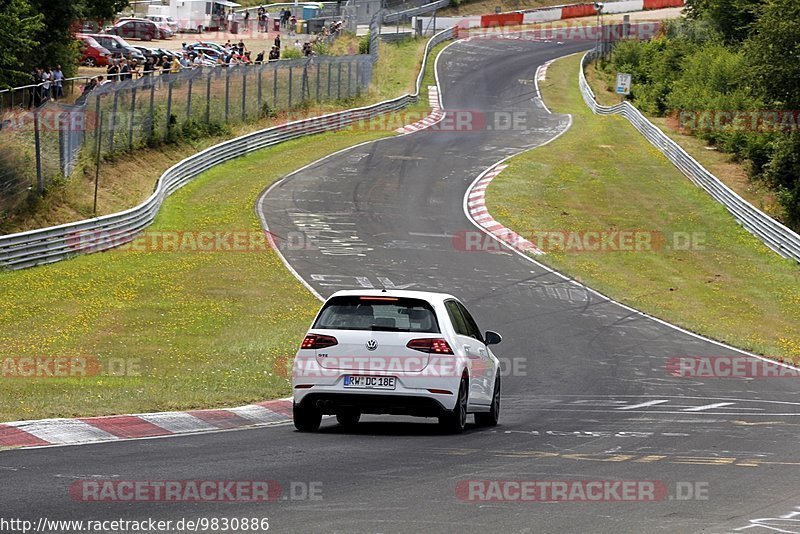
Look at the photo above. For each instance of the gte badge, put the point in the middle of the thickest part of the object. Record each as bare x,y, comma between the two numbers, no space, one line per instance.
372,344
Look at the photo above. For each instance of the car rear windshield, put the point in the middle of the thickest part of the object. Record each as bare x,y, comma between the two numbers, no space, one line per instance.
386,314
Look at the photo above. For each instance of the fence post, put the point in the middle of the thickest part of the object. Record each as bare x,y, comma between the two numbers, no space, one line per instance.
349,78
99,128
339,83
208,97
275,86
305,82
61,145
169,106
113,122
227,92
290,88
330,68
189,99
358,80
317,93
132,119
38,145
260,87
151,114
244,93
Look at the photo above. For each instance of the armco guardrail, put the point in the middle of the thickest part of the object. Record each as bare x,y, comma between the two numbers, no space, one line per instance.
49,245
395,16
775,235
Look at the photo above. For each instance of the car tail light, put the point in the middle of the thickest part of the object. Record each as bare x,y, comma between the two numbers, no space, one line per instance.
431,344
316,341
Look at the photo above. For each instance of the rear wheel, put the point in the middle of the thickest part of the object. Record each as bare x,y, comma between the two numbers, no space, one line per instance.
90,62
306,418
491,417
455,421
348,418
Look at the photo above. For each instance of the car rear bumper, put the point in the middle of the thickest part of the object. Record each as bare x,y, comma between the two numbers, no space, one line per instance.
375,403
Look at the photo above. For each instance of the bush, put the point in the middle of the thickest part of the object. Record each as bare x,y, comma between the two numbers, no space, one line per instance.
291,53
363,44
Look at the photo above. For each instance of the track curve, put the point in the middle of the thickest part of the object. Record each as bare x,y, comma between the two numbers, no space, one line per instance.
588,398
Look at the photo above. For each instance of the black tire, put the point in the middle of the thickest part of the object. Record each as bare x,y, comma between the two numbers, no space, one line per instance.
348,419
306,418
491,417
455,421
199,30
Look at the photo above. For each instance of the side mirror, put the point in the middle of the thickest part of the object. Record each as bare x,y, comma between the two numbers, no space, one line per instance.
492,338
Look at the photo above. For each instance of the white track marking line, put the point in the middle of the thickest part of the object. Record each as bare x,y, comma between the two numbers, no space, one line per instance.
643,404
707,407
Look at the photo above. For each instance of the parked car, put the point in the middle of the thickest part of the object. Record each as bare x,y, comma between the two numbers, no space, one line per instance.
118,46
143,29
163,21
93,54
209,44
396,352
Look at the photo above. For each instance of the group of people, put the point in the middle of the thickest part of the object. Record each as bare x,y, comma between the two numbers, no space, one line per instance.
46,84
191,56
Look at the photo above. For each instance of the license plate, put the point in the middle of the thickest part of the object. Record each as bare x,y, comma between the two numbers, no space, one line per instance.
370,382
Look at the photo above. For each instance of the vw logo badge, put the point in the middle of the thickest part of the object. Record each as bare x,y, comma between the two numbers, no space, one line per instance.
372,344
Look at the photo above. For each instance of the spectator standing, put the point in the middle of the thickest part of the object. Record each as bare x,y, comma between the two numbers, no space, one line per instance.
58,83
278,41
260,58
292,25
47,77
36,88
125,71
112,72
149,66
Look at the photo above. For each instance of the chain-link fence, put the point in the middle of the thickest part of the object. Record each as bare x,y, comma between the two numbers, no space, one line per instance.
43,144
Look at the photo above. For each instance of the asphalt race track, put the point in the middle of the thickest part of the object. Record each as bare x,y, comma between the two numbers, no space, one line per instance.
587,395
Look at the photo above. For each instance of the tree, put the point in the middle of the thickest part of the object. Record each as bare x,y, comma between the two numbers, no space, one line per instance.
773,53
18,24
732,19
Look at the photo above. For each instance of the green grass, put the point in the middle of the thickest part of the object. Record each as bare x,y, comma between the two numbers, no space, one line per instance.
206,328
603,175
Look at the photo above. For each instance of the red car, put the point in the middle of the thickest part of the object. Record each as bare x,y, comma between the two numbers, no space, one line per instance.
92,53
143,29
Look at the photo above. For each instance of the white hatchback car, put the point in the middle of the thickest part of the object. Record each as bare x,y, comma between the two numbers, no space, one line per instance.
396,352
